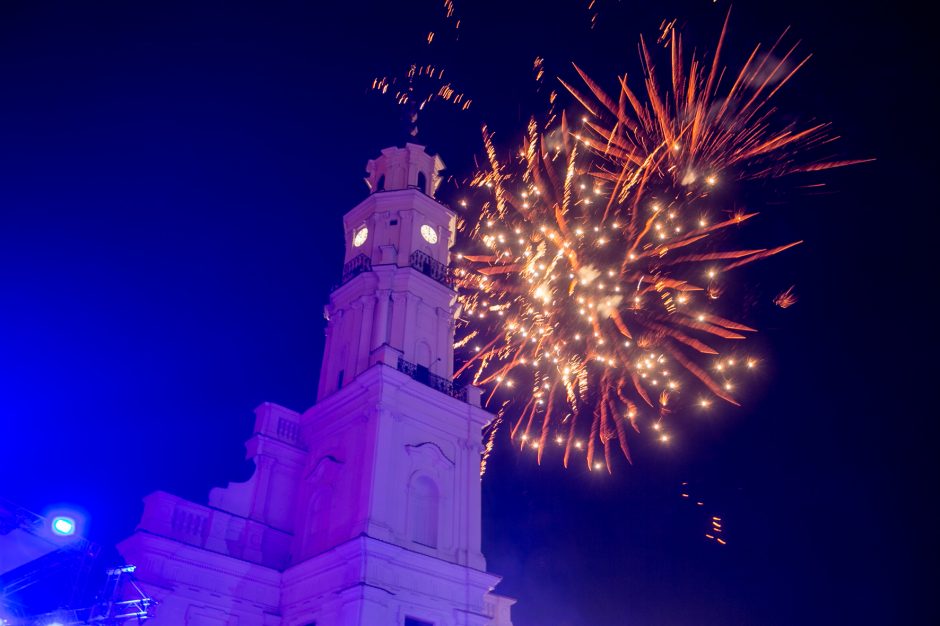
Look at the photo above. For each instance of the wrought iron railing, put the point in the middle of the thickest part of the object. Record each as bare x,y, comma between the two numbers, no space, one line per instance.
424,376
355,266
432,268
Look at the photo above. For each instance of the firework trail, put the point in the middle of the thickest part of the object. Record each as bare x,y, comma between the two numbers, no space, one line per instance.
425,83
715,524
786,299
420,86
591,278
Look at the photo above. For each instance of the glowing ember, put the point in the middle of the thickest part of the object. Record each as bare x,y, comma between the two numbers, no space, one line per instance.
786,299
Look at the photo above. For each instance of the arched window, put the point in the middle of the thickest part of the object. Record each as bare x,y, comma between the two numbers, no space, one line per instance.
423,183
318,521
422,362
423,353
423,505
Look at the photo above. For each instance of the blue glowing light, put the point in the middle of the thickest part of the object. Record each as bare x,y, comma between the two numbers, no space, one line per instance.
64,526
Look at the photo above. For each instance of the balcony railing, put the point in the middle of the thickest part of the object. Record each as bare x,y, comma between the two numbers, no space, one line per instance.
428,266
424,376
356,265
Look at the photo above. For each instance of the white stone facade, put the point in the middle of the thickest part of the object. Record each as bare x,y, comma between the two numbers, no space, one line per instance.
365,509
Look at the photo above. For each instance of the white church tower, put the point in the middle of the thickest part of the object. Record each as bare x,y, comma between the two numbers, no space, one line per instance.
365,509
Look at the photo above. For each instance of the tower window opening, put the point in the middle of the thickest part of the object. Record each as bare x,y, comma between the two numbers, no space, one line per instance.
422,374
380,185
424,501
423,183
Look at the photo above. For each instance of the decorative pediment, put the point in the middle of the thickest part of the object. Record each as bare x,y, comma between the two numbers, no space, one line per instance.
325,469
429,453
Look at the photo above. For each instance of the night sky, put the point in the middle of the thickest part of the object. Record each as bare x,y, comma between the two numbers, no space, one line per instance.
172,178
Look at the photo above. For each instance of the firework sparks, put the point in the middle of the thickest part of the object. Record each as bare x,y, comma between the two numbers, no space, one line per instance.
786,299
425,83
421,86
715,524
598,259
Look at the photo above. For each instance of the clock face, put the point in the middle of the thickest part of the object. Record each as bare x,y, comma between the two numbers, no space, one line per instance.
429,234
360,236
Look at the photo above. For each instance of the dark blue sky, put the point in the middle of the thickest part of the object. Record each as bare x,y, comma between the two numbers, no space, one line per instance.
172,177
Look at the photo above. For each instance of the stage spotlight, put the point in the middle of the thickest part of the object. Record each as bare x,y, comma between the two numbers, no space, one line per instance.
64,527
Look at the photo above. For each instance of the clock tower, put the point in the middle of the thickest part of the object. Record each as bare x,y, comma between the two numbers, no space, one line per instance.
393,447
365,509
395,299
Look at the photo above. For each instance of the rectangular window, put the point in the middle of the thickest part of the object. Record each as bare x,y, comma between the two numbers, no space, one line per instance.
339,379
410,621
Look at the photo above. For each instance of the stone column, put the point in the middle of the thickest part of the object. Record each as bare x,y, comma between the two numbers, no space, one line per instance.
445,343
380,319
353,336
364,343
396,334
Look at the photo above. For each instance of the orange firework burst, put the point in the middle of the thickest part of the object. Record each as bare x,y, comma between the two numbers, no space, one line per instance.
598,255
